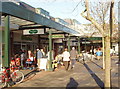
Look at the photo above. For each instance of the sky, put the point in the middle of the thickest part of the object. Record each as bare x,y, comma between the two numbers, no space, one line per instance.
60,8
63,8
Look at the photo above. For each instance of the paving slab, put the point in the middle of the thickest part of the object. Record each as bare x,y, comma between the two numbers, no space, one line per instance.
86,75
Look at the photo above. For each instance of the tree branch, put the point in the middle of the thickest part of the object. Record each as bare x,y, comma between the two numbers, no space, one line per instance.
97,25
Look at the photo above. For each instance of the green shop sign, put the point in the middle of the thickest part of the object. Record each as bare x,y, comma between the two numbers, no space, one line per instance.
26,38
33,31
58,36
95,38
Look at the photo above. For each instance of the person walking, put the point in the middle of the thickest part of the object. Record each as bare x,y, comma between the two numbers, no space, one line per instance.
99,54
22,58
66,58
43,52
48,58
39,56
73,57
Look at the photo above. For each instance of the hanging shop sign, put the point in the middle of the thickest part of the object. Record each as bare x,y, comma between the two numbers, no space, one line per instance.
33,31
58,41
86,42
58,36
26,38
95,38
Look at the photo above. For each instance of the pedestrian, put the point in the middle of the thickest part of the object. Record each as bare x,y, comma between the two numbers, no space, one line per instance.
111,52
12,64
92,50
99,54
66,58
73,57
29,53
17,61
43,53
35,58
48,54
30,61
48,57
39,56
22,58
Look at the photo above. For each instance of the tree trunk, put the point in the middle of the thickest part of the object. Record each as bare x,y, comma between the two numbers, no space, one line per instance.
103,44
107,63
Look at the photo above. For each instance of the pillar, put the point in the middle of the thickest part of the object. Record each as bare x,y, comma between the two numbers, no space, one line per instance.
85,46
7,42
69,43
78,45
50,50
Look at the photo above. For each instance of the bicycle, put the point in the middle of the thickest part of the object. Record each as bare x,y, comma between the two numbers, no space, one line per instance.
15,76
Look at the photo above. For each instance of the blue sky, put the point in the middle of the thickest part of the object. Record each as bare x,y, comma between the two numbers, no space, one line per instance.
60,8
63,8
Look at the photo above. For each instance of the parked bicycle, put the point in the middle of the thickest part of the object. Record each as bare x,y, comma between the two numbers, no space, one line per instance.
7,76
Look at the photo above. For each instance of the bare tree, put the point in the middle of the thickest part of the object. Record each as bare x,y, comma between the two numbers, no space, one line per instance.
98,16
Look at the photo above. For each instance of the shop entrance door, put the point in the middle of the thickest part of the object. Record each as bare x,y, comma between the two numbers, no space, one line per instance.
58,48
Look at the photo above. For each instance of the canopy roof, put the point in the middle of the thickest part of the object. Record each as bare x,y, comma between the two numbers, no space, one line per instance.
24,17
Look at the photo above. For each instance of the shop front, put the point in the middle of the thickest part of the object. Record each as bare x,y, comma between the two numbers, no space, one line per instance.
24,42
58,45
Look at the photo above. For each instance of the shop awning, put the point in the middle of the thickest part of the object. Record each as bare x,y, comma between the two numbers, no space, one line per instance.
23,16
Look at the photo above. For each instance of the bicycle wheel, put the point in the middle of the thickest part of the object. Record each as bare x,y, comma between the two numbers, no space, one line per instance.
3,82
17,76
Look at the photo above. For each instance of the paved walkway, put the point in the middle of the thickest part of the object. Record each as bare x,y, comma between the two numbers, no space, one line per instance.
89,75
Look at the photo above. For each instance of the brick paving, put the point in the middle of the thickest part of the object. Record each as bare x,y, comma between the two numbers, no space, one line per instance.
89,74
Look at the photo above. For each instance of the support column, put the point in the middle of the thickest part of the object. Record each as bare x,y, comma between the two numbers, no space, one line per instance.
69,43
39,41
11,44
1,41
50,50
7,43
78,45
85,46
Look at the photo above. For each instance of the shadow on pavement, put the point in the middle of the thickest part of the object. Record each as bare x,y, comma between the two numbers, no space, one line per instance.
97,65
72,84
95,77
